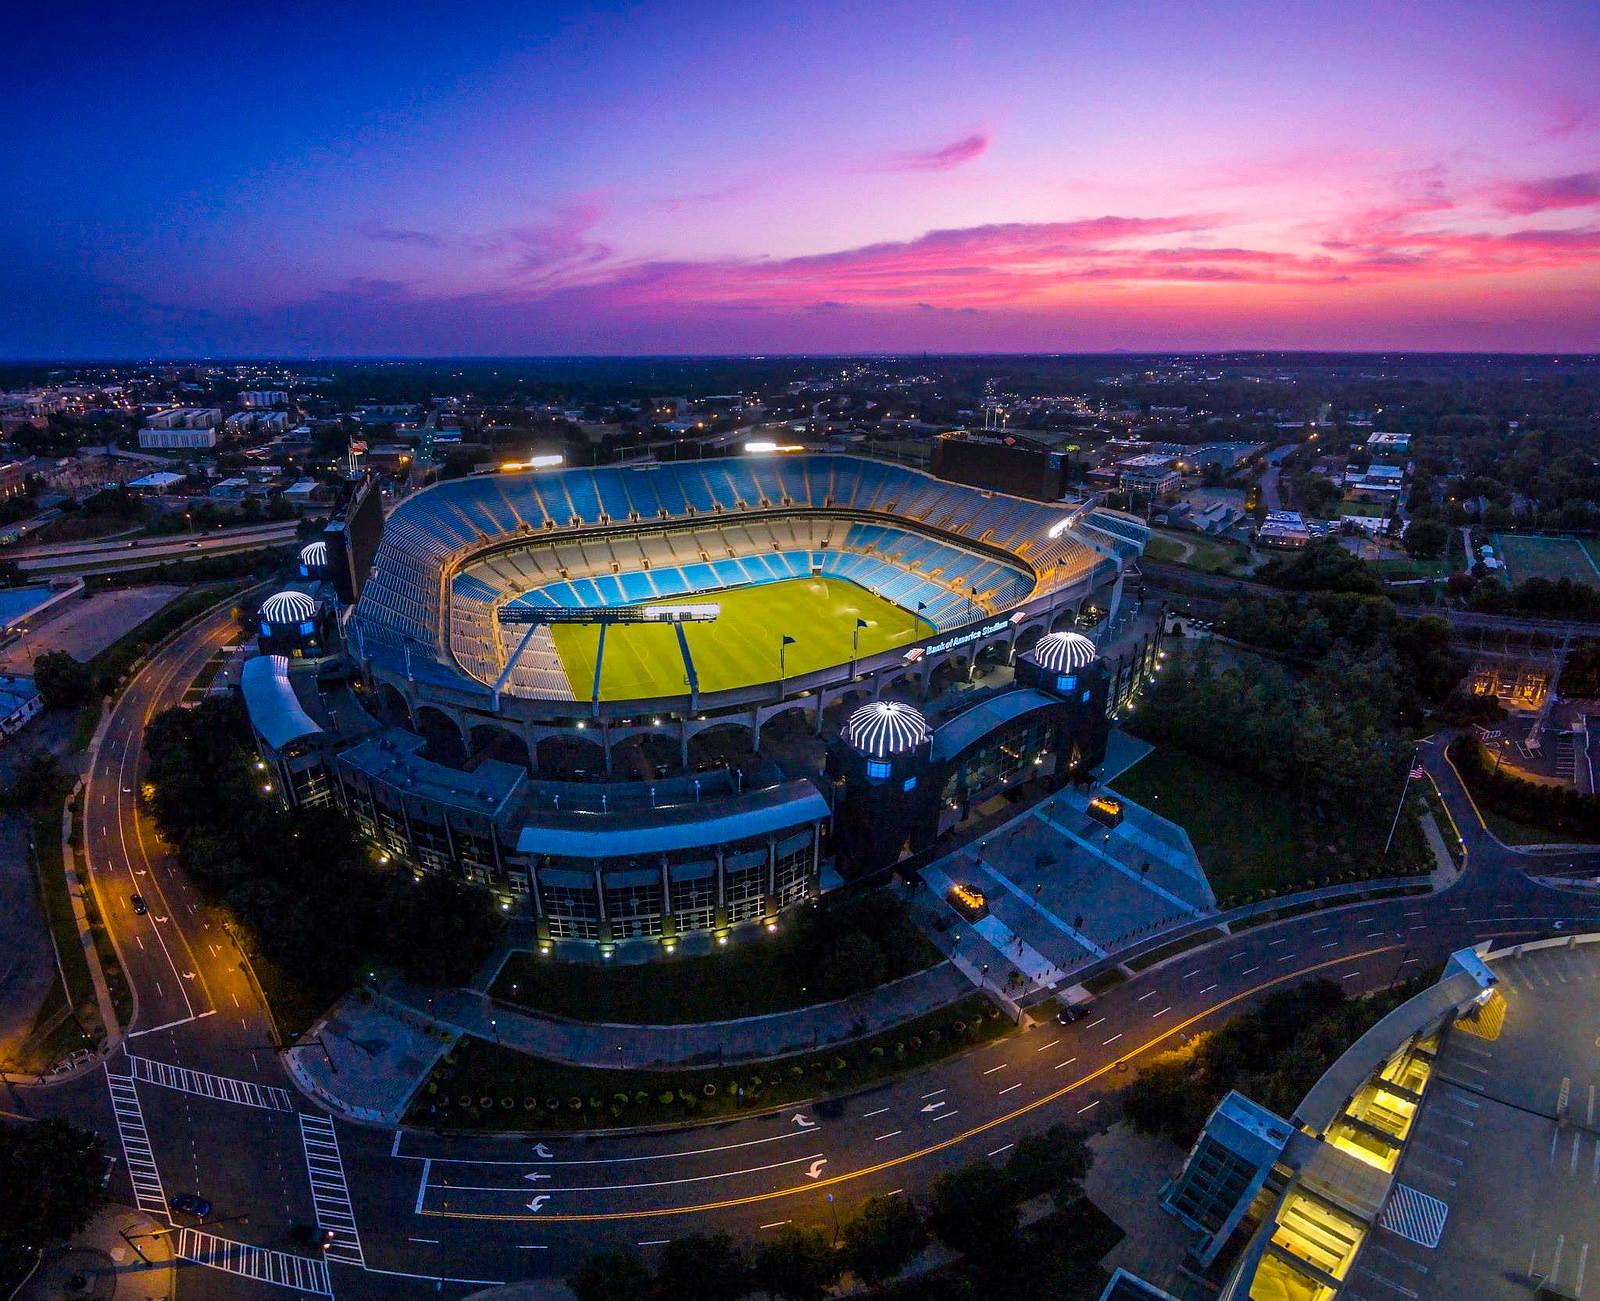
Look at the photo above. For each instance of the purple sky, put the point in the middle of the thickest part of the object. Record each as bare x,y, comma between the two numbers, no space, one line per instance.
818,177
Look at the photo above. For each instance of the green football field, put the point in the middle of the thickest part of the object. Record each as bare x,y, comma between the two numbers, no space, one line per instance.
1547,557
740,646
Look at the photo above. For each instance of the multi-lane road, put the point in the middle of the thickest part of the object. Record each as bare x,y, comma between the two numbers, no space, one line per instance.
83,559
195,1100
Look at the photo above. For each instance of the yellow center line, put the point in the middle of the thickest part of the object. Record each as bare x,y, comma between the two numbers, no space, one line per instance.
811,1185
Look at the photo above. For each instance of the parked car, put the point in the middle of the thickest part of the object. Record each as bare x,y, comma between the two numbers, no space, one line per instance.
1067,1013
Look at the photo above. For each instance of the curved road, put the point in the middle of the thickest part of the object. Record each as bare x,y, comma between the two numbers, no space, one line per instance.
415,1208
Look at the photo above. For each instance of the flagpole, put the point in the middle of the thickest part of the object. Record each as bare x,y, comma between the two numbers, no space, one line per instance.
1411,767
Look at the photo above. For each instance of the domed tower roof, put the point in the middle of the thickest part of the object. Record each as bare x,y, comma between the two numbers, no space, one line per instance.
1062,652
886,727
288,607
313,554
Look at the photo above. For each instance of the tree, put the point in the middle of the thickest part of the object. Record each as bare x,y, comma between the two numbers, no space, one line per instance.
974,1212
37,783
62,680
797,1264
1053,1162
883,1239
612,1276
1426,539
851,963
702,1267
52,1171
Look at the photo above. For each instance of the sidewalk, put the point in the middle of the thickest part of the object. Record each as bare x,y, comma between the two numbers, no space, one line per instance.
368,1057
107,1262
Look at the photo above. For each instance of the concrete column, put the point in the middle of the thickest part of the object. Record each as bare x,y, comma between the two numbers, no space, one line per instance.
1116,600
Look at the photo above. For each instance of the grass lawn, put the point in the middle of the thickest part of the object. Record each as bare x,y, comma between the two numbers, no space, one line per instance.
1197,551
479,1085
1245,837
1552,558
765,973
1520,833
740,647
1250,839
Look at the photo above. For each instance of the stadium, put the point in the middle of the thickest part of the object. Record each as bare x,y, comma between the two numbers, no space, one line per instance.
647,704
529,612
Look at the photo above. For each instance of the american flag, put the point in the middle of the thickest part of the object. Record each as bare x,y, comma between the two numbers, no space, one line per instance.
1416,773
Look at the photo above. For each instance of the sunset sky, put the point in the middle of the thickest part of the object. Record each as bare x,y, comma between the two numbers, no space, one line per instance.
462,179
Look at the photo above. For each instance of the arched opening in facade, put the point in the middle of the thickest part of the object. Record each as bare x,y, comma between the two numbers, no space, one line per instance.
443,737
564,757
495,742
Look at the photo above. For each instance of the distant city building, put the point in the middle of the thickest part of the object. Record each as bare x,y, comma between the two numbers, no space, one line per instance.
184,418
1283,528
1389,445
256,398
1154,472
13,478
19,701
166,439
160,481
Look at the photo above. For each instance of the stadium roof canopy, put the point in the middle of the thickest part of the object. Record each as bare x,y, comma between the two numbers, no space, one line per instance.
314,553
275,711
683,826
886,727
1061,652
288,607
975,723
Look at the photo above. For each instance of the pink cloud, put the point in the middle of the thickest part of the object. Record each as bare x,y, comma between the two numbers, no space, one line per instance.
944,159
1550,193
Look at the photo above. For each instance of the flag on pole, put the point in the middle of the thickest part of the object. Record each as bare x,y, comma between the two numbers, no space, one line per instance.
1417,773
788,641
861,623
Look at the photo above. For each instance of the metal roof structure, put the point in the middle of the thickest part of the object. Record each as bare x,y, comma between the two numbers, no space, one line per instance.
314,553
886,727
275,711
974,724
288,607
785,807
1061,652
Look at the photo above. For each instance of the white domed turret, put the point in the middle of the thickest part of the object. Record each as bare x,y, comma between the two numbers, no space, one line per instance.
1064,652
886,727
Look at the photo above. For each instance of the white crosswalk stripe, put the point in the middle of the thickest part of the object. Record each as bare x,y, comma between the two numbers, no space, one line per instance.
147,1190
221,1087
1414,1215
280,1268
330,1194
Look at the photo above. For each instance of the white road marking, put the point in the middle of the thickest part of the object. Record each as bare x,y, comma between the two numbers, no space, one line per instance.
279,1268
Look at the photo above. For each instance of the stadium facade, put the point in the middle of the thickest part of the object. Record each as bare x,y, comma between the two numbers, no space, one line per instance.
438,707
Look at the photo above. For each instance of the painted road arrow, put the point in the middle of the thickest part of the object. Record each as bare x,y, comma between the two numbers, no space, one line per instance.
540,1150
933,1106
805,1122
535,1176
538,1202
815,1169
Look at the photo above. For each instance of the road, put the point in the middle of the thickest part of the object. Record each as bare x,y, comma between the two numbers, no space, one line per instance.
415,1208
106,557
1272,475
